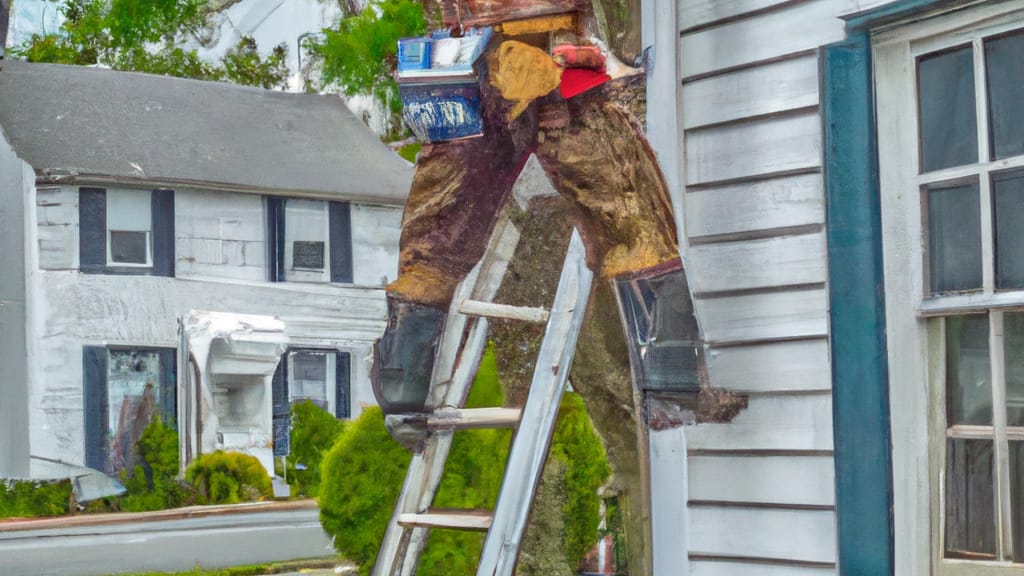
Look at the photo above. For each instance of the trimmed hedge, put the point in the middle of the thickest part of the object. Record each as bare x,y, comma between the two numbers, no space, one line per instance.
31,498
228,478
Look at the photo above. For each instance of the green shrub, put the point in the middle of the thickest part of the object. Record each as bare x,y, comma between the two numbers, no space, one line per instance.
578,446
363,474
228,478
31,498
472,479
154,484
314,431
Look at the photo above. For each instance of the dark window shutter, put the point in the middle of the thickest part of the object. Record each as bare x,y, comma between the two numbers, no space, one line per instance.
275,239
92,230
341,242
168,386
282,419
94,387
163,232
343,376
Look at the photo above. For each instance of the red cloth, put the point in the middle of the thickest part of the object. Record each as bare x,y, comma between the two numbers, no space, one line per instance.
579,80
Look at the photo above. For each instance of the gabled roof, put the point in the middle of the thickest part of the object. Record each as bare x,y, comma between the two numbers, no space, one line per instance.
123,126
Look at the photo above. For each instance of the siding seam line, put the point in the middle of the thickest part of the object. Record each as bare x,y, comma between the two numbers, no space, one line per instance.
762,505
739,17
700,186
756,234
697,556
749,65
715,294
774,115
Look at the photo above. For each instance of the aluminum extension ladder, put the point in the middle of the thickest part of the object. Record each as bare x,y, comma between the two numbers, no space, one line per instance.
459,351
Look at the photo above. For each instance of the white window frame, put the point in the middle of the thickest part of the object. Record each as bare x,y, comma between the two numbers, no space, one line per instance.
330,375
112,196
915,328
297,233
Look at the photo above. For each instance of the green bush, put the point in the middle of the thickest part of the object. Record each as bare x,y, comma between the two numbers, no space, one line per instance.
154,484
578,446
228,478
31,498
313,432
472,479
363,474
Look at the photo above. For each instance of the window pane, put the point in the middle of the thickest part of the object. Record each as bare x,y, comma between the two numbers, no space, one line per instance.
663,341
948,119
1017,498
133,398
970,499
130,210
1004,63
968,376
1013,338
1008,199
305,231
129,247
954,238
308,377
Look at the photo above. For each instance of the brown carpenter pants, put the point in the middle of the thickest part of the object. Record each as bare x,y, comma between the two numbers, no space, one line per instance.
596,157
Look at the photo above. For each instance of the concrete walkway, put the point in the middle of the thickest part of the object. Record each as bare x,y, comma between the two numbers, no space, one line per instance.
279,533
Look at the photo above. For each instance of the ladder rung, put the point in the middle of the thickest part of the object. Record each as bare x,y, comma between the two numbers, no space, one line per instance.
478,520
492,310
467,418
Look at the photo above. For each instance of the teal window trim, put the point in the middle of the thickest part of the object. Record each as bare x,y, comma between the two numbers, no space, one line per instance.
860,373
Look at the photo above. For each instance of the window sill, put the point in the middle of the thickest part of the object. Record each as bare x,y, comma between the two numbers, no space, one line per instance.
304,287
968,303
119,270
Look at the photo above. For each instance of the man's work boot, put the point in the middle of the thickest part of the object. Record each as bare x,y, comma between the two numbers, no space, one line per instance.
402,366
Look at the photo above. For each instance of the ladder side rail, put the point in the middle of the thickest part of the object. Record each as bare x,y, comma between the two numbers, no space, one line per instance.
530,446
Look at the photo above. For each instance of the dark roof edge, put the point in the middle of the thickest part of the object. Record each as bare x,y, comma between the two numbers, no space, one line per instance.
899,11
49,178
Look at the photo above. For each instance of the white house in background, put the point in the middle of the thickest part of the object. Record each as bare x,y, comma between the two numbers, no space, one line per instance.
165,243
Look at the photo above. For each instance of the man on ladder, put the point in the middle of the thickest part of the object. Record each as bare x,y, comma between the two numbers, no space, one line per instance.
595,156
598,159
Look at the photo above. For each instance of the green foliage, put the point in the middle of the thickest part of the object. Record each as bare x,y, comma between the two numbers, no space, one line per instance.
228,478
154,484
363,474
577,445
244,65
146,36
360,55
410,151
31,498
472,479
314,431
